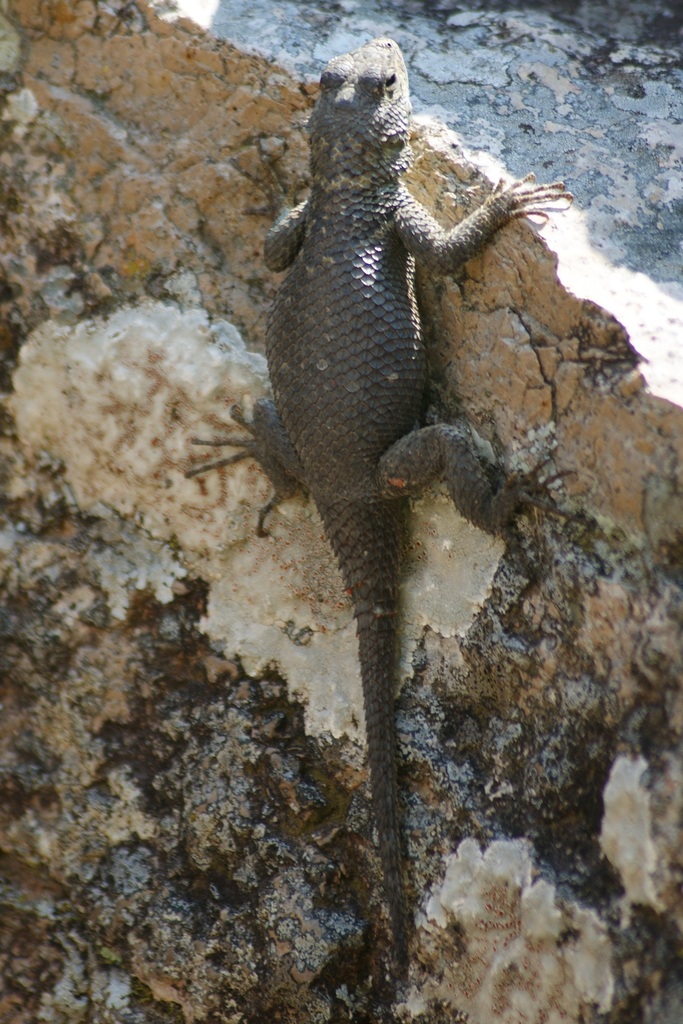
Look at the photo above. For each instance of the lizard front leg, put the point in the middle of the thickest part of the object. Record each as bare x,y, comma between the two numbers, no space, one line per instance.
268,444
284,239
444,251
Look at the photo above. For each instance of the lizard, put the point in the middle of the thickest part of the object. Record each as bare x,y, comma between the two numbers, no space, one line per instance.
347,366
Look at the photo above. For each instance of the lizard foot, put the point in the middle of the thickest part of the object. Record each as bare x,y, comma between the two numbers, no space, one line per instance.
245,444
267,443
532,486
526,488
269,151
523,195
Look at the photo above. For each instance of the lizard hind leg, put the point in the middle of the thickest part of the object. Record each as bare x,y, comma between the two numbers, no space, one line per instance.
446,451
268,444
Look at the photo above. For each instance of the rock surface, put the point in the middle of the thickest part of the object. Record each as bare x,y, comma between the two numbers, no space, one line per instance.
184,818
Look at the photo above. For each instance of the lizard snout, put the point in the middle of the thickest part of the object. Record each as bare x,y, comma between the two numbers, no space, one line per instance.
346,96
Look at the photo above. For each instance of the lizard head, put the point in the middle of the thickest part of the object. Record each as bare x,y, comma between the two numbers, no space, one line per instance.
362,115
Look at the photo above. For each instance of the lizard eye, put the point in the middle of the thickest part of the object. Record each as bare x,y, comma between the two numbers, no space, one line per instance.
391,80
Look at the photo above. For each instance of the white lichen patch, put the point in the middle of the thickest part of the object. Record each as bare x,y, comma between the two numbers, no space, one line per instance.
260,610
128,560
626,834
526,956
445,551
10,46
22,109
126,818
117,401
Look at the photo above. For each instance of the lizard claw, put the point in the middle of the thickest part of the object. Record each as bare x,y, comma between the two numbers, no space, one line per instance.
237,415
503,186
263,512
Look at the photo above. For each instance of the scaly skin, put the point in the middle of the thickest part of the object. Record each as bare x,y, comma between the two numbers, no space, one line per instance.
347,365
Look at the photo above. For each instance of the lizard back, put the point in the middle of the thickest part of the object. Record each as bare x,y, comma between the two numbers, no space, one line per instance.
343,340
344,350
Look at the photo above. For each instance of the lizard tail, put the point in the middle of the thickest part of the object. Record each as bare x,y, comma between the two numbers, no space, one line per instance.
367,541
377,648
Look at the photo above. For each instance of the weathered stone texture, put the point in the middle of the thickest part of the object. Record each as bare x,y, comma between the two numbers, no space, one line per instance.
184,819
